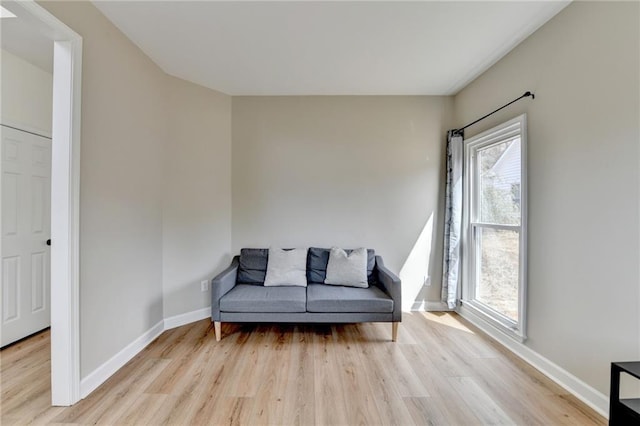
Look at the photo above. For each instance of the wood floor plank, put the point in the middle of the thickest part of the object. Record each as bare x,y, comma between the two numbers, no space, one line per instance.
389,403
515,397
425,411
209,395
480,402
440,371
30,401
299,402
362,408
443,396
268,403
242,382
571,411
233,411
148,372
142,409
330,398
42,413
17,396
24,349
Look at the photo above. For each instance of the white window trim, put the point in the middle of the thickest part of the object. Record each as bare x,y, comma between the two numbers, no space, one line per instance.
515,330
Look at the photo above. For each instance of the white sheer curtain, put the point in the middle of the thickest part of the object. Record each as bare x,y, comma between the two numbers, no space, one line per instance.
452,219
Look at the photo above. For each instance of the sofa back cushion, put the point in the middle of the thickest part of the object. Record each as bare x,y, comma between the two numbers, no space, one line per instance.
347,269
286,267
252,267
318,258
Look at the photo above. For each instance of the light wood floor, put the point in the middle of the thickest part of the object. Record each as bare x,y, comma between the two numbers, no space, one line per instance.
441,371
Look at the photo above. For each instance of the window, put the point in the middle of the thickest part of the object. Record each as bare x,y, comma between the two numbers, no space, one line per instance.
494,252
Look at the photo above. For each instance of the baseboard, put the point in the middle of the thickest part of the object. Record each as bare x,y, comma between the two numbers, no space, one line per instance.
436,307
116,362
106,370
188,318
429,306
587,394
584,392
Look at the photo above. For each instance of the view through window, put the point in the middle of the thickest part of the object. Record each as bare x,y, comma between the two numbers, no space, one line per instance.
495,272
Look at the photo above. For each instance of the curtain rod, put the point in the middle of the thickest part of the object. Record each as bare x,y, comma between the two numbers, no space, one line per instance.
526,95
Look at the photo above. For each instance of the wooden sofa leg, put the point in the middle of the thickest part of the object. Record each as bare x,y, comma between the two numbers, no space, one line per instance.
394,331
217,327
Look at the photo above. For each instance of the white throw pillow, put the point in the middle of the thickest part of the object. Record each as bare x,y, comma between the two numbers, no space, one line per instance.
347,269
286,267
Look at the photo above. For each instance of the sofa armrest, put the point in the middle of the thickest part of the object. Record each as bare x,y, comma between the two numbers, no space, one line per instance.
392,285
221,285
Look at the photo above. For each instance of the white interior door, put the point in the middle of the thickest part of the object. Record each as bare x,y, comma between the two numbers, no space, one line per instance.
26,227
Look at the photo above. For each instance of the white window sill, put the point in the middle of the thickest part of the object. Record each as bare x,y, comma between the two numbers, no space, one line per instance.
469,308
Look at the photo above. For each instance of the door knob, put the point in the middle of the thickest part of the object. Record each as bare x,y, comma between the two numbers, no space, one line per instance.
49,242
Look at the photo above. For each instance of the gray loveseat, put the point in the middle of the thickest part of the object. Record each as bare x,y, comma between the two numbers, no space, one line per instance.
238,294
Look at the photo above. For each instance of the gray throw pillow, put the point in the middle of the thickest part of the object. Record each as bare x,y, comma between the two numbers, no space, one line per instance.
286,267
347,269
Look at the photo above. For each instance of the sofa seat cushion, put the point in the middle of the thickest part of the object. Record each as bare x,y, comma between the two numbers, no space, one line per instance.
253,298
331,298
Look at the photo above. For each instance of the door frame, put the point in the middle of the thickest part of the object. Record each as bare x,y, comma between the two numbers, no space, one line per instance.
65,199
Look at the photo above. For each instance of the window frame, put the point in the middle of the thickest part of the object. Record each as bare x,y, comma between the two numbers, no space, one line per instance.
470,244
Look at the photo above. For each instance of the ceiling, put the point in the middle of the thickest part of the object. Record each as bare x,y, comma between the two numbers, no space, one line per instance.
328,48
321,48
21,39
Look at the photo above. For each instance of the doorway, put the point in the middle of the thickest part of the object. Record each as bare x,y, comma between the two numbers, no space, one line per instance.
26,227
65,180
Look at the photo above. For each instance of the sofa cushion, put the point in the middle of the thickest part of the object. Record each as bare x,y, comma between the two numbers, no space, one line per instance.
286,267
253,298
347,269
252,266
318,258
330,298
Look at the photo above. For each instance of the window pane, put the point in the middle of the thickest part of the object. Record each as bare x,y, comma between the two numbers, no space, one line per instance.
498,270
499,170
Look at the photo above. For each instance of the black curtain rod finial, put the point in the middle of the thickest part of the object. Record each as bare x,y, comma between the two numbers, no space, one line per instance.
527,93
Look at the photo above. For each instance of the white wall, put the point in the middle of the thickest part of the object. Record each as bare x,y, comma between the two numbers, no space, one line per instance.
123,131
27,95
583,128
155,200
196,223
344,171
